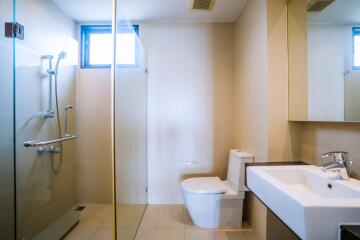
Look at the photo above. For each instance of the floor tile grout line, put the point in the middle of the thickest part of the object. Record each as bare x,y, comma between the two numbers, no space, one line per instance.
158,218
94,234
183,213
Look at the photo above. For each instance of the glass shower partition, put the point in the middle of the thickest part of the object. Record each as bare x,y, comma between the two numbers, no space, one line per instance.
7,198
45,77
130,123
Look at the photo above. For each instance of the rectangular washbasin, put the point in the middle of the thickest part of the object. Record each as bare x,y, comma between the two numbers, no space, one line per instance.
311,202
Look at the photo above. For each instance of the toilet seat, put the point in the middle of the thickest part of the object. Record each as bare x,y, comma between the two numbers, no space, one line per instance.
204,185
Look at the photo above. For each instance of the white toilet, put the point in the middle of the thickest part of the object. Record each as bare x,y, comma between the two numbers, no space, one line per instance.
213,203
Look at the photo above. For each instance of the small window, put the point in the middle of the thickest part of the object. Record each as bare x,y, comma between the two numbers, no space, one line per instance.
356,40
96,46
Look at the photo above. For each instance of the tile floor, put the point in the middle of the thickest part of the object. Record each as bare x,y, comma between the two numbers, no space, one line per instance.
94,223
159,222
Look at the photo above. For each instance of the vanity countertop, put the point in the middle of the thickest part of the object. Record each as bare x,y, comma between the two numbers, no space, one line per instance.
275,163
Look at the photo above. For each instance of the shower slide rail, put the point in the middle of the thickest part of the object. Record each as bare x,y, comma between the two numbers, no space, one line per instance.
48,142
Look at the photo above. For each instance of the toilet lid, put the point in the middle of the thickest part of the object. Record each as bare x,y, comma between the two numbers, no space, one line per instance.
203,185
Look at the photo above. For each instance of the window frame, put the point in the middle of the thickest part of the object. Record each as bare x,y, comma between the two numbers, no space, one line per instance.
86,30
355,32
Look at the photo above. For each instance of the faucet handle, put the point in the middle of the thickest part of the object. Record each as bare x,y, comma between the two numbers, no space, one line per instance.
69,107
337,156
340,160
340,157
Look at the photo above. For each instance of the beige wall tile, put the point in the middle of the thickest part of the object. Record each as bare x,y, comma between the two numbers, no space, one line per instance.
298,85
188,103
251,80
251,93
261,125
93,125
283,136
284,141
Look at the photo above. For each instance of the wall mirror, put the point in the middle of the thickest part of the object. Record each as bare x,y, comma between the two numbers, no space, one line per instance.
324,60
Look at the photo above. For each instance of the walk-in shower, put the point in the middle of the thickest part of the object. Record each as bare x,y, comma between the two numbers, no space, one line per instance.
57,160
44,81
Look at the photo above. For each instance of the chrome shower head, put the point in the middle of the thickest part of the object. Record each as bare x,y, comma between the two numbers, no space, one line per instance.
62,55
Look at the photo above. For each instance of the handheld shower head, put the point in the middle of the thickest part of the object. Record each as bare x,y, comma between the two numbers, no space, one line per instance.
62,55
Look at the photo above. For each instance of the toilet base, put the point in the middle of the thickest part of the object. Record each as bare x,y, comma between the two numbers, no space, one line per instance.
214,210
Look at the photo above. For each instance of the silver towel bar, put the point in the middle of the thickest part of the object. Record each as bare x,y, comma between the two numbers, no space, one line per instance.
47,142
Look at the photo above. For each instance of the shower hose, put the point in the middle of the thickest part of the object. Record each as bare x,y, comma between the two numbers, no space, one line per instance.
56,169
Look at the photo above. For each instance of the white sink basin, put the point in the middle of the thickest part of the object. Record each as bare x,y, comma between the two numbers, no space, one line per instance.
311,202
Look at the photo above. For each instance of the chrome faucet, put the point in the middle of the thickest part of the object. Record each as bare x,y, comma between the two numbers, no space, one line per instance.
340,164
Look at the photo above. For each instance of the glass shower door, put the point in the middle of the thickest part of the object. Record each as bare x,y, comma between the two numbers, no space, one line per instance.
7,198
130,106
45,84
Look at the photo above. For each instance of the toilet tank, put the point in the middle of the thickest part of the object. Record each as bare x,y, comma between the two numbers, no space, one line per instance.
236,169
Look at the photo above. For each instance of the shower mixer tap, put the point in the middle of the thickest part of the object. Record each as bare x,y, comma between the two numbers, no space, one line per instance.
51,149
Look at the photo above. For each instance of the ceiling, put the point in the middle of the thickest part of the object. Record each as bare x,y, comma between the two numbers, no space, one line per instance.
339,12
150,10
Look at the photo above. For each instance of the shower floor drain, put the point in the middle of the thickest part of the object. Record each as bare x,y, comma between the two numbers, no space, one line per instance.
80,208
